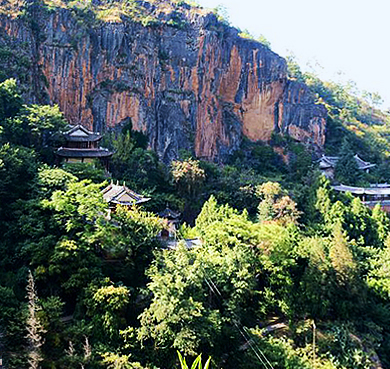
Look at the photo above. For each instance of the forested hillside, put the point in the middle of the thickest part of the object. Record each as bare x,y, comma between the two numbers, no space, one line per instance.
284,273
354,116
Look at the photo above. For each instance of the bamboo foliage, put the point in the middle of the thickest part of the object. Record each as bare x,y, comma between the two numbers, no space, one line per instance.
197,364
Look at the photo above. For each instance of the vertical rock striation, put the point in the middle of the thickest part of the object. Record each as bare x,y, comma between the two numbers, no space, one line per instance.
199,87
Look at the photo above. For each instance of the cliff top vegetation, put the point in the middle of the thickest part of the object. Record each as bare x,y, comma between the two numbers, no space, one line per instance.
147,12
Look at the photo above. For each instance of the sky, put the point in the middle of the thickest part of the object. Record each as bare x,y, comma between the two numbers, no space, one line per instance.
341,39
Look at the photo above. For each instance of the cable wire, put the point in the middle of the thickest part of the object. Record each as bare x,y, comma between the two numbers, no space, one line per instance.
243,331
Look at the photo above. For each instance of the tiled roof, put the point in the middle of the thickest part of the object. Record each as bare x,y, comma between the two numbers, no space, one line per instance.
81,134
79,127
122,195
331,161
363,164
83,153
328,161
363,190
169,214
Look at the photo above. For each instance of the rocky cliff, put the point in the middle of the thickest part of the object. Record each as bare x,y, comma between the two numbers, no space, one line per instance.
182,76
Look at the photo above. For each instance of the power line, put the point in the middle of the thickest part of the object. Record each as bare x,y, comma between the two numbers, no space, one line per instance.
257,351
243,331
257,347
214,289
250,343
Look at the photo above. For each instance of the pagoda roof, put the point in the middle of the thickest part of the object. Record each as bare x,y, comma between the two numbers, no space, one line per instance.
122,195
83,153
363,164
169,214
79,133
376,191
328,161
331,161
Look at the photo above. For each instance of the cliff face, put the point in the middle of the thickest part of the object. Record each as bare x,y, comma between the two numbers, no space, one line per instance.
199,87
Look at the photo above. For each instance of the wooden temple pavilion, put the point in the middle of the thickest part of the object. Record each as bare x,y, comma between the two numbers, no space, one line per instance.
122,195
173,219
370,196
82,146
328,163
169,235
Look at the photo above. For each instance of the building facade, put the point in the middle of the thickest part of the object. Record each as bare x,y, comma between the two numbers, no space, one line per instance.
370,196
116,194
82,146
328,164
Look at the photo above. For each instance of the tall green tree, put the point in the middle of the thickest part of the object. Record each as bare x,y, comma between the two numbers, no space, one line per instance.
10,100
188,176
381,222
18,171
276,205
107,305
347,170
131,237
378,277
341,256
77,212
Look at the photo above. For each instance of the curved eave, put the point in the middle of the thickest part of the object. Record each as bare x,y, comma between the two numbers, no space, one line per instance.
363,191
87,153
367,166
146,199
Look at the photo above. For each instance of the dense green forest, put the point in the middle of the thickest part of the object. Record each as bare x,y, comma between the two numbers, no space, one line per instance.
288,273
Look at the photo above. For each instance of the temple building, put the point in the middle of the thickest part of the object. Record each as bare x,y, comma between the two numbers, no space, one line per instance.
328,163
82,146
122,195
173,219
370,196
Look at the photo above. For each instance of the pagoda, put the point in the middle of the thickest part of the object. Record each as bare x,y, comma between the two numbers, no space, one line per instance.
173,219
116,194
328,164
82,146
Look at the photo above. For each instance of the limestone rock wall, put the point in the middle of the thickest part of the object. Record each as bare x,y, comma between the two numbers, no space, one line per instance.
200,88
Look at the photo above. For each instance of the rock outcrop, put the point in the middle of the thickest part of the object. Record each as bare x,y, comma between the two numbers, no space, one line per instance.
192,85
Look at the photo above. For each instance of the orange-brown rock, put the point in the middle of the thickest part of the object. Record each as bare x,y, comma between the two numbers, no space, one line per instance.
198,87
